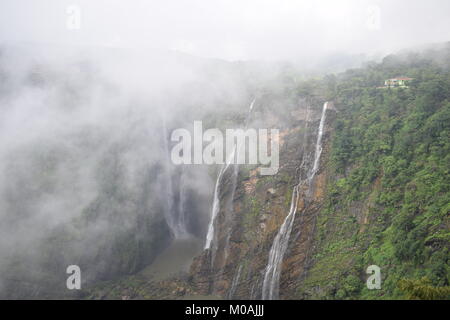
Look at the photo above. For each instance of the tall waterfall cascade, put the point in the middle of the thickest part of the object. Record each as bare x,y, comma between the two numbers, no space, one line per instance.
174,215
216,201
271,282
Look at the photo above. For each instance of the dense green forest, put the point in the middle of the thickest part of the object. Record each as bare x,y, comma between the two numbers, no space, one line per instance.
390,159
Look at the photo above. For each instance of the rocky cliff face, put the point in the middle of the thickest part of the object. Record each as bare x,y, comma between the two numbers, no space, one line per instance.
380,196
259,207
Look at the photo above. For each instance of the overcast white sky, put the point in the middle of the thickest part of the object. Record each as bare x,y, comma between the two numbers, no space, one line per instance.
232,29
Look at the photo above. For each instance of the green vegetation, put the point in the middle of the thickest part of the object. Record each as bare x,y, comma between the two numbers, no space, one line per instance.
423,290
388,199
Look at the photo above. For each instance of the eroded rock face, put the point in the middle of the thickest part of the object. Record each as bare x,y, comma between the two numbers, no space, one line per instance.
259,207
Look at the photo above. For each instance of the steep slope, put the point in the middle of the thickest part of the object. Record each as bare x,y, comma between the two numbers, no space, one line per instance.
260,206
381,195
388,196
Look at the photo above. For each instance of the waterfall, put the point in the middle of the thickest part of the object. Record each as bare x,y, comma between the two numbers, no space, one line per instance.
174,215
181,203
318,150
168,177
216,201
271,283
235,283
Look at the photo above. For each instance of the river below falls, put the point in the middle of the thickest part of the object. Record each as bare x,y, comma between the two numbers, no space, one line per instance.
174,260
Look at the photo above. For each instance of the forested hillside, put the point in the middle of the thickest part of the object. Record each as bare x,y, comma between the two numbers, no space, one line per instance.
388,192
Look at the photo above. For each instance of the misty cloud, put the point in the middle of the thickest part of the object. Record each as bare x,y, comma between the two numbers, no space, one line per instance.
87,107
252,29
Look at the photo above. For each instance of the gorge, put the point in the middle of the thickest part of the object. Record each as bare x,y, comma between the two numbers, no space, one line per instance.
87,178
